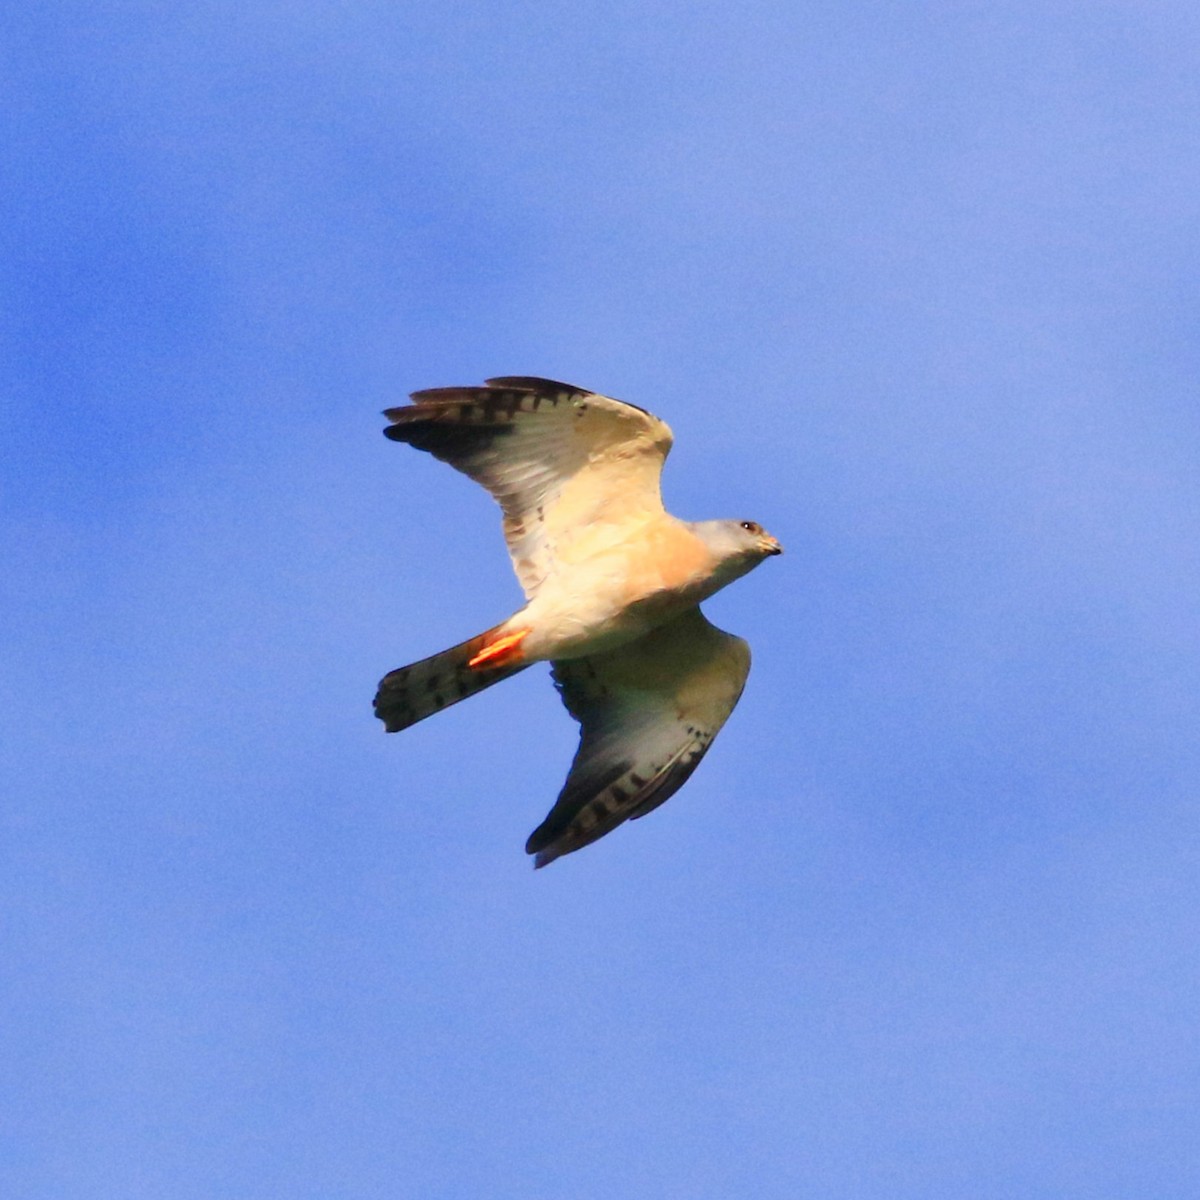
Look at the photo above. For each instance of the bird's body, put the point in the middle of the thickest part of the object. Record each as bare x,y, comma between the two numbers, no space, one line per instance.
633,586
612,584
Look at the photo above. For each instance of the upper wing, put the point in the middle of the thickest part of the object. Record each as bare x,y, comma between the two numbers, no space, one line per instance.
558,458
649,711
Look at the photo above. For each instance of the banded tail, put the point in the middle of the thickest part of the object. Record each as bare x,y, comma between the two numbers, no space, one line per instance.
410,694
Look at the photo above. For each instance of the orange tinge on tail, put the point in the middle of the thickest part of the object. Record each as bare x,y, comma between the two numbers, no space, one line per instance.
503,652
412,693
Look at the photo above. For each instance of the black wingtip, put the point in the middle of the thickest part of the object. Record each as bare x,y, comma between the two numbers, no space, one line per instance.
444,439
543,858
540,845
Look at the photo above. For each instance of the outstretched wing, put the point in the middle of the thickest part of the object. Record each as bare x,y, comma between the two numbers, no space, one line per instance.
560,460
649,711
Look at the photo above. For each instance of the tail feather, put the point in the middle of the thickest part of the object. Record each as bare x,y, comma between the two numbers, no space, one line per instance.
410,694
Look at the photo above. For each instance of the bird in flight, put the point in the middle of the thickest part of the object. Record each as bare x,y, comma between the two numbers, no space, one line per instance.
613,585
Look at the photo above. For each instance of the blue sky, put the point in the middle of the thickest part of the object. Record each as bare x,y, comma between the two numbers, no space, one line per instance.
916,286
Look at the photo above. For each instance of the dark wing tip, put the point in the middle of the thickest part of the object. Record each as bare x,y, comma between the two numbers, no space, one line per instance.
441,432
541,844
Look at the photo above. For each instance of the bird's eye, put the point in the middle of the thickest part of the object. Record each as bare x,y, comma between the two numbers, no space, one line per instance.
751,527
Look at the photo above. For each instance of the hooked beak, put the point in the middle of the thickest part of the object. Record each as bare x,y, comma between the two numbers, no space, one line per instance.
773,546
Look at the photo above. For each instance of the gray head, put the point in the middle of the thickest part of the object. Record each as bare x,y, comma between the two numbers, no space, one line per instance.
739,545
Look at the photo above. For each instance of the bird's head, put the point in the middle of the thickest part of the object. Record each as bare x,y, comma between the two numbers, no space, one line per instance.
738,545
